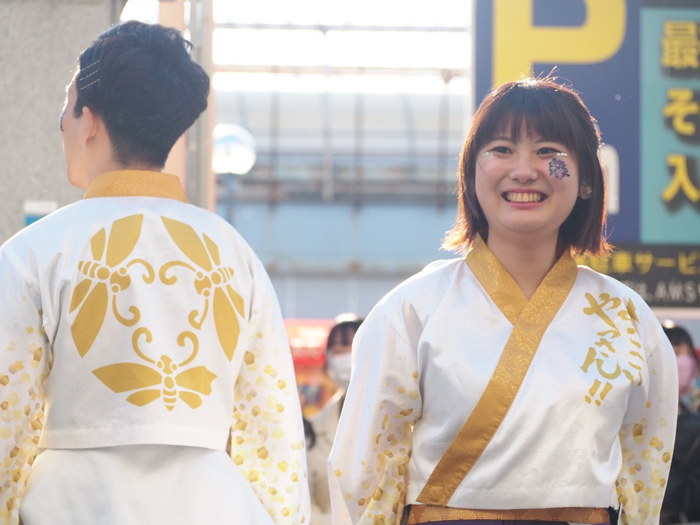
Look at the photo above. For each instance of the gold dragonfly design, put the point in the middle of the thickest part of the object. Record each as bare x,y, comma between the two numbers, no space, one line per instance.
212,282
159,378
106,275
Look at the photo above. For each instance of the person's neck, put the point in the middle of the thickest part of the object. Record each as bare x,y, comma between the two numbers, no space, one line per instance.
526,259
109,166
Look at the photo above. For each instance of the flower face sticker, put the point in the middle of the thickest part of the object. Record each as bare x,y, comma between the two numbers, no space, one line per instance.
558,169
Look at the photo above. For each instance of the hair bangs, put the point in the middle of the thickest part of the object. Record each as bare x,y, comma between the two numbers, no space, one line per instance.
525,108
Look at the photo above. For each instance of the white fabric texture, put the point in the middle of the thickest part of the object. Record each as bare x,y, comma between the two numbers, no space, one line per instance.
325,425
145,321
167,484
581,432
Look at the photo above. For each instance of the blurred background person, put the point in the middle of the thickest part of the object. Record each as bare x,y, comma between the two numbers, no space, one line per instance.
688,364
682,501
324,423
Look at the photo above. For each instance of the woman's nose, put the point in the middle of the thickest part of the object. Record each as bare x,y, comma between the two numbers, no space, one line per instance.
524,168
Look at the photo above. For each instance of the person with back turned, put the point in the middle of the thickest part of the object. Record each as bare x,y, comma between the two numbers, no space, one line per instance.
145,374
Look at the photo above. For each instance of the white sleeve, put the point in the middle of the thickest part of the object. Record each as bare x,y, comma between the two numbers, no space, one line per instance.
367,466
647,443
267,437
24,365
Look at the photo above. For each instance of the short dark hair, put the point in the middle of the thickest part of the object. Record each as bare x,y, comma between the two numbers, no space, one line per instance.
140,79
678,335
557,113
343,332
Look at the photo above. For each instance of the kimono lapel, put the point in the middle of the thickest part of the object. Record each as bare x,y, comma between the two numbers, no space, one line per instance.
530,321
496,280
135,183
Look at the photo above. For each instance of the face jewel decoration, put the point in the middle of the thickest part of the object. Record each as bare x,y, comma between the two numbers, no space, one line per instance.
558,169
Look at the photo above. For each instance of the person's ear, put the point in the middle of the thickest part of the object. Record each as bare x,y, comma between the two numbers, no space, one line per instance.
90,125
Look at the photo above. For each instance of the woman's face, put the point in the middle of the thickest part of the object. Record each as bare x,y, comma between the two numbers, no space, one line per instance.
528,187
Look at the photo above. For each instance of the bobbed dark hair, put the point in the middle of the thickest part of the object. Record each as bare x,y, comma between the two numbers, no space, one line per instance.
140,79
344,330
678,335
557,113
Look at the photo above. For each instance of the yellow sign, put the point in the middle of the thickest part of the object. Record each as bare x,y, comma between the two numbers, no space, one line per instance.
597,40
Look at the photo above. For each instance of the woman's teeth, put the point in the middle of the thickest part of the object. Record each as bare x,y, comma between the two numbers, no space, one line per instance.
512,196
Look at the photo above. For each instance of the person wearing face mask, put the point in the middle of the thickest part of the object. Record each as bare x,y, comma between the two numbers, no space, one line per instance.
325,422
688,364
682,502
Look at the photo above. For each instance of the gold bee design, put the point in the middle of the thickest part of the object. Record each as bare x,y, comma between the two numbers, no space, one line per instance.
212,282
152,382
106,275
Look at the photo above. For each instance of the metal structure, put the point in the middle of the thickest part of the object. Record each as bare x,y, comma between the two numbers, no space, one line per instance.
352,188
199,181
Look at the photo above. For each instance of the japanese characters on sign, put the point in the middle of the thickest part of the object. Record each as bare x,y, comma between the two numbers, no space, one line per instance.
664,275
680,57
681,46
670,123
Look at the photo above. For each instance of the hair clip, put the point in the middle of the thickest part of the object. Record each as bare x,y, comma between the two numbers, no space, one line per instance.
89,75
89,66
90,84
558,169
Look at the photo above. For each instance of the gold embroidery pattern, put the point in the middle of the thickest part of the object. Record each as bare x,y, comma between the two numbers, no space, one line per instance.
107,274
210,277
124,377
609,363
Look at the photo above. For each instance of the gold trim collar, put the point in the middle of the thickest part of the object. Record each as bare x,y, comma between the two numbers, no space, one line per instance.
136,183
501,286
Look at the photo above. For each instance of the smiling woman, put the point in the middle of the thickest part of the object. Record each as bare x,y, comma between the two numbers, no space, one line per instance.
540,126
513,385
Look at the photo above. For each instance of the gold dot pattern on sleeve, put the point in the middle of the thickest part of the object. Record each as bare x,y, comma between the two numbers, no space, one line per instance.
263,446
639,485
21,421
381,500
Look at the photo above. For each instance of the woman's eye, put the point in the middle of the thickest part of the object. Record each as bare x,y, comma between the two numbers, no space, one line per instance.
551,152
501,149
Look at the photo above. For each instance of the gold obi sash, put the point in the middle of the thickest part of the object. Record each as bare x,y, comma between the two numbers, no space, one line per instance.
530,320
432,514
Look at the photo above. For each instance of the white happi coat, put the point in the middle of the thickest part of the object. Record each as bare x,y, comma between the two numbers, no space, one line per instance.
143,353
592,425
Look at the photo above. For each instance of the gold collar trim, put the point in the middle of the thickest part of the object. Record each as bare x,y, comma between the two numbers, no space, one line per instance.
496,280
531,320
136,183
500,285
